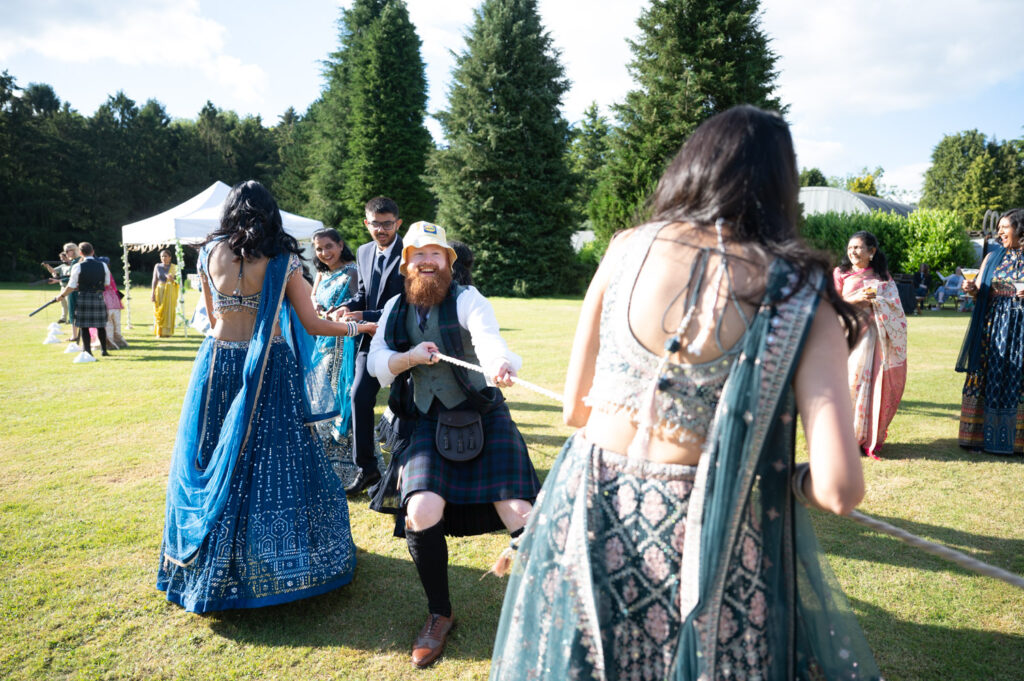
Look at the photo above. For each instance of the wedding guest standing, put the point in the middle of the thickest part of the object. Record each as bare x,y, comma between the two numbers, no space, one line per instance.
254,516
878,363
164,295
665,543
992,355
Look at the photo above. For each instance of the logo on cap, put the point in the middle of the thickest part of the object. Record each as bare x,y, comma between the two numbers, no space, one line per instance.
430,229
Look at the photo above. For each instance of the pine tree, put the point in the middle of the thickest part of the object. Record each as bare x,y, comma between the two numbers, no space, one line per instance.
588,154
368,132
694,58
503,184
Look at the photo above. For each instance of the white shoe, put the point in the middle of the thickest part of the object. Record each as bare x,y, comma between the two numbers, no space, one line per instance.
72,347
83,358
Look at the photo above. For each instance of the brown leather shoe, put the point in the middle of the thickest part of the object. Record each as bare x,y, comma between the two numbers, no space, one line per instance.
430,643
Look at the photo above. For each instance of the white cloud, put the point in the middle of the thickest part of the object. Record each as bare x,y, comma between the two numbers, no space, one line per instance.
909,178
164,33
878,56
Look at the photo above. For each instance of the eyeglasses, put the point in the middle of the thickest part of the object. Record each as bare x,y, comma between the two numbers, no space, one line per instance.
387,225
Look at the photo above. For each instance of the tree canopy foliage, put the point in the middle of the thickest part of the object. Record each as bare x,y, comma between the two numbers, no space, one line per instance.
503,183
972,174
693,59
69,177
368,126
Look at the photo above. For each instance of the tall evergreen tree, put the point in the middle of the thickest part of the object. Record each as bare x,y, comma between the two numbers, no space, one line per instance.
588,154
369,132
503,184
694,58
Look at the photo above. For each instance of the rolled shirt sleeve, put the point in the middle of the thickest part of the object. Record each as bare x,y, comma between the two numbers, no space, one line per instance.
76,269
476,315
380,353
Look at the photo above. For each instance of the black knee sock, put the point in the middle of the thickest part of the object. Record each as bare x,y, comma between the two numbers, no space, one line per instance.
102,333
429,552
83,332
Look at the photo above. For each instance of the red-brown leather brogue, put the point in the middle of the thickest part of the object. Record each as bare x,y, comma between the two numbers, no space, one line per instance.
430,643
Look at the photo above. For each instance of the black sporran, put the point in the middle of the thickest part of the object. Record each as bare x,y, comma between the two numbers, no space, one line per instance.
459,435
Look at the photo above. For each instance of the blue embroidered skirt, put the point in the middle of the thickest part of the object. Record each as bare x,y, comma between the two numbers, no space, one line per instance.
284,533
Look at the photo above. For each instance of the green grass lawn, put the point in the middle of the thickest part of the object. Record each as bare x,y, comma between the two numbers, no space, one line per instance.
83,463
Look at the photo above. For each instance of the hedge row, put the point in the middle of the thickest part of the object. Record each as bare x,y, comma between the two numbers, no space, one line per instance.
935,237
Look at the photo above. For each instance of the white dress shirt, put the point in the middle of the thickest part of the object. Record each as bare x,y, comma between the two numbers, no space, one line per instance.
475,315
76,271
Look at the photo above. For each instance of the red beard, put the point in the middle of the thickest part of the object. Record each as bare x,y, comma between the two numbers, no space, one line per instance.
427,291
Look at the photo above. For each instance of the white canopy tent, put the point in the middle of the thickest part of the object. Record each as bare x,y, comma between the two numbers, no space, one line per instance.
189,223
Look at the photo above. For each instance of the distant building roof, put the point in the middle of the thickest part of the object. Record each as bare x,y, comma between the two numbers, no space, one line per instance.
831,200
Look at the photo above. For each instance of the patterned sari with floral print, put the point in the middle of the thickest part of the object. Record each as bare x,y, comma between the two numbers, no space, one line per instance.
878,363
630,569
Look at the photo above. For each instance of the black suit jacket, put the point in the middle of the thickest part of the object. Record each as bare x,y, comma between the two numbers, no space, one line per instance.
392,283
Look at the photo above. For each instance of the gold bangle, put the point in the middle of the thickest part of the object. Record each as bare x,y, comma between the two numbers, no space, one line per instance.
408,360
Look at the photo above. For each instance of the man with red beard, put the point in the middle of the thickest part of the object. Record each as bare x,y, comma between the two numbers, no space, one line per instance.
446,486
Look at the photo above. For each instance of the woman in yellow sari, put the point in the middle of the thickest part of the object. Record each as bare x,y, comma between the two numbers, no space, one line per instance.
165,295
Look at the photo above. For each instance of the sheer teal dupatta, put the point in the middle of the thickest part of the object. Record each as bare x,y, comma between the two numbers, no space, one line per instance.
197,493
752,569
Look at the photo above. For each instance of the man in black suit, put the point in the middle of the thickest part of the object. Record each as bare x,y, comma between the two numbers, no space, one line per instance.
379,280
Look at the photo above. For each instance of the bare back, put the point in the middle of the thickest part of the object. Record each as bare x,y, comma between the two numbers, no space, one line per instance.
224,268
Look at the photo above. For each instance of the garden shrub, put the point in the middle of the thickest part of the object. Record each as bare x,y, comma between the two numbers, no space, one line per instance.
932,236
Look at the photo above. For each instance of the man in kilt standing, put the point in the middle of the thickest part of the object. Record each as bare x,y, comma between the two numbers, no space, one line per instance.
465,470
88,277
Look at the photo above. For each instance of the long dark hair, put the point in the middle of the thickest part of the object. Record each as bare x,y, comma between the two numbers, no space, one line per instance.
878,263
333,235
739,166
251,224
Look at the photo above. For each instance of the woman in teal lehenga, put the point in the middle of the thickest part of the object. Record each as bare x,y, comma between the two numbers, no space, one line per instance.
667,542
335,284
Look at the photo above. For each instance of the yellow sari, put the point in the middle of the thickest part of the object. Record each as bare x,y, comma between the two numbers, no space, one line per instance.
166,304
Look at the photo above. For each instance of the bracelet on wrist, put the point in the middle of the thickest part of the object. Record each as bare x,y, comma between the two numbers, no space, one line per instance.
800,472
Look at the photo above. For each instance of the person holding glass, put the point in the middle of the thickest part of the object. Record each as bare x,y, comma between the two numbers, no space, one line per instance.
992,354
878,363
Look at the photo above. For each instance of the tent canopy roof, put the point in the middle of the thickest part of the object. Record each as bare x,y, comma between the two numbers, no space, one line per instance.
190,222
831,200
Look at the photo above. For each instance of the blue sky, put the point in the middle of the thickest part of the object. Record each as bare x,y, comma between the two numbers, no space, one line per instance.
868,84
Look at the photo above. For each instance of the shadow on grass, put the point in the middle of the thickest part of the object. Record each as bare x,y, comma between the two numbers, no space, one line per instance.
946,449
949,410
530,406
921,652
380,611
844,537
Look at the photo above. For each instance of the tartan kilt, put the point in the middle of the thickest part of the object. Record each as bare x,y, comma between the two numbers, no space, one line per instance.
90,310
503,470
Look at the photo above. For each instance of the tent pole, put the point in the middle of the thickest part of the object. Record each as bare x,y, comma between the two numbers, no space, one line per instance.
127,286
179,252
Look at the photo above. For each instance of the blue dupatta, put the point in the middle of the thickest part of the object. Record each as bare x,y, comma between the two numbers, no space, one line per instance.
196,495
969,359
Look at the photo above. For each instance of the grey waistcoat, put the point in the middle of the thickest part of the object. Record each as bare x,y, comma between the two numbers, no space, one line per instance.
436,380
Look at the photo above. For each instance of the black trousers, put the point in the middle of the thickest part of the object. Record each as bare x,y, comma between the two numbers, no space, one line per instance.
364,398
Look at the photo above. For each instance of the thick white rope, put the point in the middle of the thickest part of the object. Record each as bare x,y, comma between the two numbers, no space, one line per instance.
952,555
515,379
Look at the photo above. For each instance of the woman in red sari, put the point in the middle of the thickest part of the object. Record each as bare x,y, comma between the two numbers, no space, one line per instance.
878,363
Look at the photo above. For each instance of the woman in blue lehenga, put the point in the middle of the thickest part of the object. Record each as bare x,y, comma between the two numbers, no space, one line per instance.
254,516
335,284
992,355
666,542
